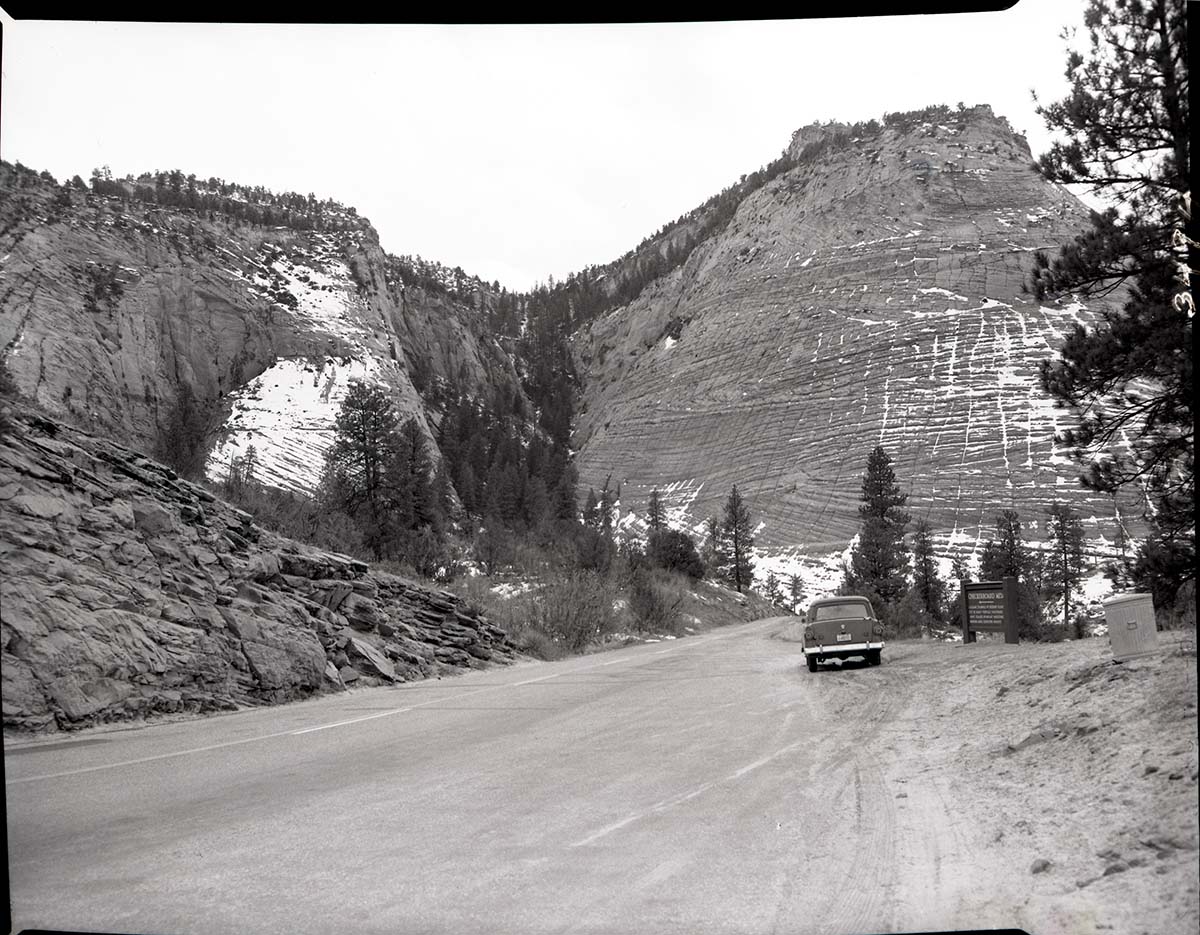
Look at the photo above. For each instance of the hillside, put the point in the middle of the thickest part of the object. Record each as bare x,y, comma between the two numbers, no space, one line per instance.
197,327
872,293
865,288
129,591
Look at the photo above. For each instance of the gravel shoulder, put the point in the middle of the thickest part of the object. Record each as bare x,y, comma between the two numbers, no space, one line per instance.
1039,785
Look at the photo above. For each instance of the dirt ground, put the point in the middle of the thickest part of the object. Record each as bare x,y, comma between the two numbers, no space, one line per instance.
1063,786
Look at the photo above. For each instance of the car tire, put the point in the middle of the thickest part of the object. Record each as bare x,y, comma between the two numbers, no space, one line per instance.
875,657
812,663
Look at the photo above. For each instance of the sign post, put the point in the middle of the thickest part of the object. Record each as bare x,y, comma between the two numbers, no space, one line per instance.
989,607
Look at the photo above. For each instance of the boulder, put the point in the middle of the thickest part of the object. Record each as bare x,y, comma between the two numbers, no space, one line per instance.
153,518
373,658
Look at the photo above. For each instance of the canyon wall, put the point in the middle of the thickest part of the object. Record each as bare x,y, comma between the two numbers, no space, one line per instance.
873,293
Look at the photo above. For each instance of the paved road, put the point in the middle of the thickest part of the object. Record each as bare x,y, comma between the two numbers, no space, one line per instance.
707,784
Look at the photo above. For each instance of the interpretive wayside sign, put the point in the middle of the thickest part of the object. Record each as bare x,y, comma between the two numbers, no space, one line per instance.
989,606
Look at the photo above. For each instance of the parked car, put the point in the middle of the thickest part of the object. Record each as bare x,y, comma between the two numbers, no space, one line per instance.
841,628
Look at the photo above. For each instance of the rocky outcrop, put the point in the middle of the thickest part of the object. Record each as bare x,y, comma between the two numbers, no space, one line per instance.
870,294
143,321
128,591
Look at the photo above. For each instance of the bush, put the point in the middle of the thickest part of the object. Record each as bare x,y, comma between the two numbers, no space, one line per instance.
493,547
907,617
296,517
574,610
652,603
675,551
593,550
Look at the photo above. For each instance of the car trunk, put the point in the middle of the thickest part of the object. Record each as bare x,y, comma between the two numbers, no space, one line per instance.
835,633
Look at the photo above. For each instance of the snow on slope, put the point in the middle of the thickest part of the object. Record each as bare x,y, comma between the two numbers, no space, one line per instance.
287,413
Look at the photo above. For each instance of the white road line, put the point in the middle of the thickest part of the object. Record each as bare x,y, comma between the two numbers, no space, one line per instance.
144,759
680,799
309,730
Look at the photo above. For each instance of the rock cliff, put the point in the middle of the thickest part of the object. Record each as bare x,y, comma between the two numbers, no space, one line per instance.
128,591
147,321
872,293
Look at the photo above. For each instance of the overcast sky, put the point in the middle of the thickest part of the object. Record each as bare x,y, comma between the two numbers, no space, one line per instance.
516,152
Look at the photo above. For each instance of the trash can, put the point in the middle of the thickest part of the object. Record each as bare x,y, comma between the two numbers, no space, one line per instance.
1132,631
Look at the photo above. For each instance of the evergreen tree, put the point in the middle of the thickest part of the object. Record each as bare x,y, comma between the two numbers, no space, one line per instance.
411,495
242,473
655,514
1065,564
565,505
360,464
958,574
364,442
713,551
737,540
772,590
674,550
1128,380
1006,555
591,510
879,560
928,584
605,510
537,504
795,591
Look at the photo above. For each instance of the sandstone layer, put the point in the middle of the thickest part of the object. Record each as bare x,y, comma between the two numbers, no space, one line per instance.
122,313
128,591
871,294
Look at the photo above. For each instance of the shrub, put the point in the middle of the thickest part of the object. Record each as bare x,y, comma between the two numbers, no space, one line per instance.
574,610
675,551
907,617
652,603
593,550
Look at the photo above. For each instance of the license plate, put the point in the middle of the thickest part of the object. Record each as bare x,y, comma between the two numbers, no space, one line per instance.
843,637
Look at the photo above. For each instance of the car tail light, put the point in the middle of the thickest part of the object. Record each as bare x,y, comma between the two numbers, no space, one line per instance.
878,629
809,635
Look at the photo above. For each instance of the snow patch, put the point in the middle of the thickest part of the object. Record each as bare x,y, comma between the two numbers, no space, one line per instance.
287,413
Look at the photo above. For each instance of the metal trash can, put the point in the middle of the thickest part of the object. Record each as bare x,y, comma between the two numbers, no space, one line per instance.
1132,631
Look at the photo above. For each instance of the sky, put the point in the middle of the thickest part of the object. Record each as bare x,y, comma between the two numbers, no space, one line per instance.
516,152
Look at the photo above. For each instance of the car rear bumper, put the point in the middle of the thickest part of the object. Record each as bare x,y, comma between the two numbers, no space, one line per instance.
836,649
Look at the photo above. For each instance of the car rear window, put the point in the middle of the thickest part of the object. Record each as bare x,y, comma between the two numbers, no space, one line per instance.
848,611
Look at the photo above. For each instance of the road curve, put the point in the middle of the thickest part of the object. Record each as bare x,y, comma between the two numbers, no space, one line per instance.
707,784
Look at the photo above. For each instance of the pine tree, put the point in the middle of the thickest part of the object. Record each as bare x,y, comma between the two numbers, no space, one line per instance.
591,510
1007,556
772,590
655,514
605,510
958,574
565,504
737,538
1065,564
879,560
712,553
411,495
928,584
1130,378
357,464
795,590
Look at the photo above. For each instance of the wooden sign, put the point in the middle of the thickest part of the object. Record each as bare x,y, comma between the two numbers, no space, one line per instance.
989,607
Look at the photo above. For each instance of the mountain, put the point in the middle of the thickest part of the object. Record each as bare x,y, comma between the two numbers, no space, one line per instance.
864,288
869,291
192,319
